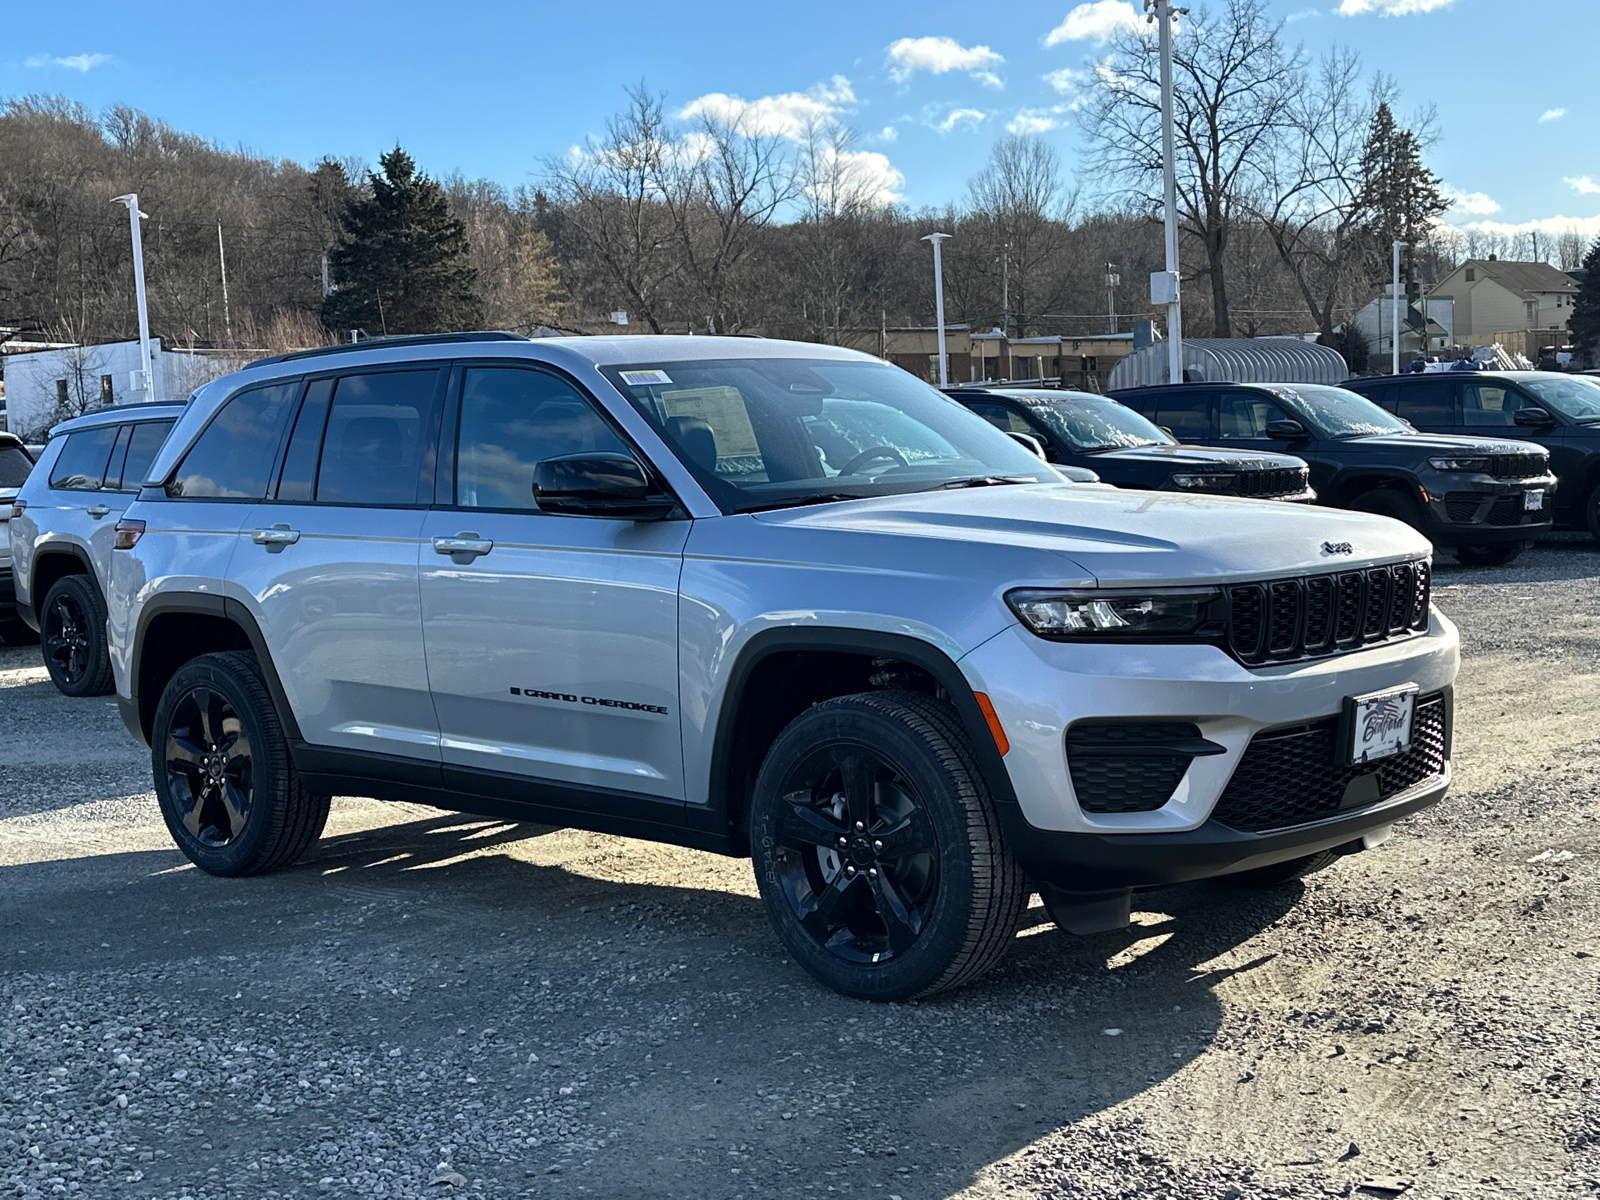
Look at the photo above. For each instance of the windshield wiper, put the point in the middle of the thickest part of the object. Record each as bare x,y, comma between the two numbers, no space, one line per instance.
981,481
797,501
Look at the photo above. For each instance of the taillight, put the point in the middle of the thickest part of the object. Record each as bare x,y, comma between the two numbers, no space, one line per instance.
17,506
128,533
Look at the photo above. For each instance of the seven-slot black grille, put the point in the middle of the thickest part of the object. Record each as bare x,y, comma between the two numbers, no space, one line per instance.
1295,776
1518,466
1130,766
1309,616
1274,481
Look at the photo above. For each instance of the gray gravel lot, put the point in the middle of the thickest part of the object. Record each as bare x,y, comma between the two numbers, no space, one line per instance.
434,1005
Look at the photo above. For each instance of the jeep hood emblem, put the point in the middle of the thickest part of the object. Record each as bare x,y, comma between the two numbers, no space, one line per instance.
1338,548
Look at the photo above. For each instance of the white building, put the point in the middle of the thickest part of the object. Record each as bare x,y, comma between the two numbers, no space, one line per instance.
48,385
1375,320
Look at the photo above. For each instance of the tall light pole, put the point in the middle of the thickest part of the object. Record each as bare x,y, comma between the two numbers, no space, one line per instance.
1395,338
1164,284
149,381
938,301
1112,281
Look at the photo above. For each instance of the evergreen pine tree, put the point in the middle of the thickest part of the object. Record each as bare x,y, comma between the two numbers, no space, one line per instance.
1400,195
1584,324
401,262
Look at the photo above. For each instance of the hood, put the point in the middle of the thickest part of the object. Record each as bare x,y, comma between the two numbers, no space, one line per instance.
1178,457
1057,533
1447,442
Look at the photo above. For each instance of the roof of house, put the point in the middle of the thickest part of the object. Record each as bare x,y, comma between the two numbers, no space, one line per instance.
1527,279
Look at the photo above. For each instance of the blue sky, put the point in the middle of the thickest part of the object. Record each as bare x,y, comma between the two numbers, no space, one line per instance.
491,89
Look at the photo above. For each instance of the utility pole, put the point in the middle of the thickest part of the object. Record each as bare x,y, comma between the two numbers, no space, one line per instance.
327,288
938,301
147,376
1005,289
1112,281
1164,284
1395,340
222,257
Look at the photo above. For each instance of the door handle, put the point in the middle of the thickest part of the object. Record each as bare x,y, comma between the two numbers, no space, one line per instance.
276,538
98,511
467,545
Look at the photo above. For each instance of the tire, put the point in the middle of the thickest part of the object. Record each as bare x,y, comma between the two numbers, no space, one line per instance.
72,636
1591,511
227,788
1488,556
863,919
17,633
1294,868
1388,502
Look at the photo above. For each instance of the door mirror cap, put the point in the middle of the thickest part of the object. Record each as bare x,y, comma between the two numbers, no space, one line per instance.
1533,418
601,483
1034,445
1286,431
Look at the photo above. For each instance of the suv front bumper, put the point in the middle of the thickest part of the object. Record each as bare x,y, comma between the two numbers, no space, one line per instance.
1479,510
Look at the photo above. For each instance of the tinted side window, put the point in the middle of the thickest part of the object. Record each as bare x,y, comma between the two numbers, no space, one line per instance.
1488,404
233,458
512,419
143,443
373,449
1427,405
1187,414
1247,414
82,465
298,480
14,466
1004,418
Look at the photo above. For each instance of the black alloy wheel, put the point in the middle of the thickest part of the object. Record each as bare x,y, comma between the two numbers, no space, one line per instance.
228,790
856,853
72,637
878,849
209,771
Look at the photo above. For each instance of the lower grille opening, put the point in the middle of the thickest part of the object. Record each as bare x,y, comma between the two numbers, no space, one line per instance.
1131,766
1293,776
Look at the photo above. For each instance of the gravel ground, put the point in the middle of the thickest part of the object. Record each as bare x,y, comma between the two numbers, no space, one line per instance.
433,1005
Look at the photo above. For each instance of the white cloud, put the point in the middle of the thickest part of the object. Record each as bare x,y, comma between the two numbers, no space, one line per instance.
960,118
1390,8
785,115
1039,120
864,174
1066,80
938,55
1476,203
1583,185
888,134
73,62
1552,114
1302,15
1098,19
1587,227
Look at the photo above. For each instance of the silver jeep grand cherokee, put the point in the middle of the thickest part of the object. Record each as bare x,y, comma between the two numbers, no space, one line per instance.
765,599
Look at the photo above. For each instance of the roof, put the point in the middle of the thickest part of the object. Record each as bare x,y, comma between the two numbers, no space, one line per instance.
1233,360
1527,279
117,414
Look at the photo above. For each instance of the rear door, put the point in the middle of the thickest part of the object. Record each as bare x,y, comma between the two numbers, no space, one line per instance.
552,641
1189,415
328,564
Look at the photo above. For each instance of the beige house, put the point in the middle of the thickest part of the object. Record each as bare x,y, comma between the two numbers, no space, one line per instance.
1495,297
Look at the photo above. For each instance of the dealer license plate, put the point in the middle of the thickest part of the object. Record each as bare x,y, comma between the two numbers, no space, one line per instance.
1533,500
1380,723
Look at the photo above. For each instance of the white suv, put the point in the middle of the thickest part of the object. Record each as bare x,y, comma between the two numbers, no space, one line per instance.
767,599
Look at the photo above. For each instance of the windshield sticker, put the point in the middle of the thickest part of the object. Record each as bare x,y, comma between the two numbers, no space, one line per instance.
644,378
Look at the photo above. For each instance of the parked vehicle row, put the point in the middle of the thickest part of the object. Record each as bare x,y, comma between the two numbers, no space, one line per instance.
763,598
15,463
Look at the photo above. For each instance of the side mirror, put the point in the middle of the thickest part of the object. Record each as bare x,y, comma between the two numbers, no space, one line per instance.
1533,418
602,483
1286,431
1168,432
1034,445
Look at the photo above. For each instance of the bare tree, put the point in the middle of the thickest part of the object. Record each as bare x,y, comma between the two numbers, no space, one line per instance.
1570,249
1019,198
1234,89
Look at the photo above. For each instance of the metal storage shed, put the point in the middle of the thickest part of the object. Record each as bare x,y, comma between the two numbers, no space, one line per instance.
1233,360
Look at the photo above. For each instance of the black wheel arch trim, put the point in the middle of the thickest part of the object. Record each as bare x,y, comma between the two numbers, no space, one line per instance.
1357,481
719,815
142,709
48,550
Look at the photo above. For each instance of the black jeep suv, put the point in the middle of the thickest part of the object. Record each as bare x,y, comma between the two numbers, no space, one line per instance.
1483,499
1080,429
1560,412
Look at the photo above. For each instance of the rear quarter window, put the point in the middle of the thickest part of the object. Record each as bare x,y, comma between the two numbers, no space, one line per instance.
143,442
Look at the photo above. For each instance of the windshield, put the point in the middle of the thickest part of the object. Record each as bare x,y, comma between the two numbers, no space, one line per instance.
1338,413
1089,423
768,432
14,466
1575,396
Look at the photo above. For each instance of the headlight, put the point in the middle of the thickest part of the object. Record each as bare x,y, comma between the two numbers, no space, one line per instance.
1459,464
1096,615
1203,483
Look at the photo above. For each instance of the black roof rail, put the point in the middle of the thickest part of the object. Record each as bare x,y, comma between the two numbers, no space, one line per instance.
407,339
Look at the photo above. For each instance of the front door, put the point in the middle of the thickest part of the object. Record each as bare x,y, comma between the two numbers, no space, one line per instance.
329,564
552,641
